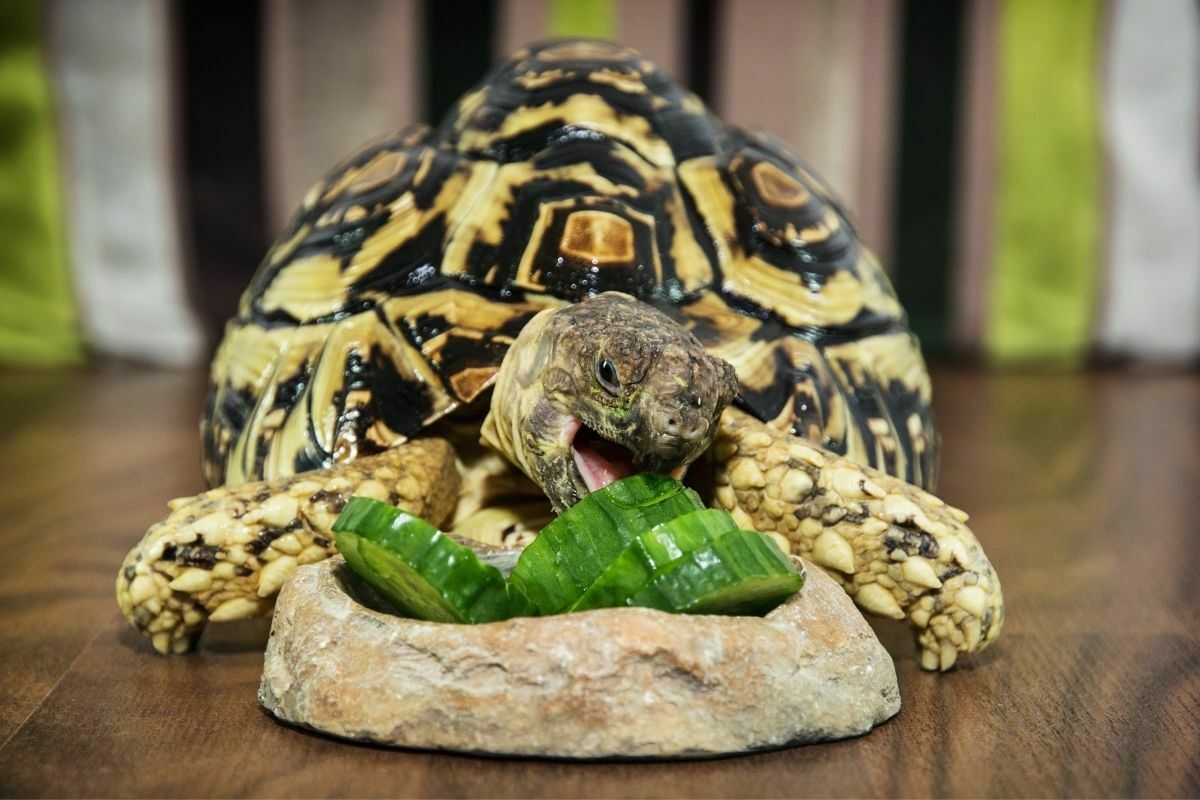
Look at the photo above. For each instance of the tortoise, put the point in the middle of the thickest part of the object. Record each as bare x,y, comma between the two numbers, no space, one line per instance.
579,274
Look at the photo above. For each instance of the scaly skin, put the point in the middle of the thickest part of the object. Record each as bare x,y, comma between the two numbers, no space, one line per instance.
898,551
224,554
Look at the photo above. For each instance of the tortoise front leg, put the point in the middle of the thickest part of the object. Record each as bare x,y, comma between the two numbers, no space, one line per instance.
224,554
898,551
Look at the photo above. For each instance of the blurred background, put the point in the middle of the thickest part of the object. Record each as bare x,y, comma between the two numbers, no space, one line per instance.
1028,170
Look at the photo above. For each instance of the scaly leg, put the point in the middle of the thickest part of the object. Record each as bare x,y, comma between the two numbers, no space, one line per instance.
224,554
897,550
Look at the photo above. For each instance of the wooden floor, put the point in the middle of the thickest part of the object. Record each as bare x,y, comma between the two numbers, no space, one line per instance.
1083,488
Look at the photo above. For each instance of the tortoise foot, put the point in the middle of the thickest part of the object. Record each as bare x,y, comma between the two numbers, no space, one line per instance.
899,551
224,554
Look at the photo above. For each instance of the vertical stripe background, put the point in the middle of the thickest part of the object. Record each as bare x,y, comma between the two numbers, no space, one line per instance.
117,104
37,318
818,74
928,143
457,40
976,165
520,22
583,18
703,47
332,81
873,162
221,120
1152,303
657,28
1027,170
1044,274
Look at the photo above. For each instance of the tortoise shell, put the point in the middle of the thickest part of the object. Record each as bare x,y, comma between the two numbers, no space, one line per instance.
575,167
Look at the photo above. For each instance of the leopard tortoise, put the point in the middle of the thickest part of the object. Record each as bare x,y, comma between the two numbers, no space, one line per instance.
635,265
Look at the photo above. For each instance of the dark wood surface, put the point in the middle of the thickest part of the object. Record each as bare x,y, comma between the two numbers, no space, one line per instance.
1083,489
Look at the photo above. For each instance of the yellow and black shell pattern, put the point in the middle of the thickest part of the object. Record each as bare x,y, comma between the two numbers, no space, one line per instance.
575,167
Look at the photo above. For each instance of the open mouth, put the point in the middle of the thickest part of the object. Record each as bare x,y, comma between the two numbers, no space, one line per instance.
600,461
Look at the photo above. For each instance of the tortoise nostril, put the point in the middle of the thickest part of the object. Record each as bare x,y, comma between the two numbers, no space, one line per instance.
684,429
679,424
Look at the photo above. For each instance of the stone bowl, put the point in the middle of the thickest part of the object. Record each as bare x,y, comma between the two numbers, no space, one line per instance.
610,683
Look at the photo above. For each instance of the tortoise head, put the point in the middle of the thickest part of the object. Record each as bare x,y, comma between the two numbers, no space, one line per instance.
602,389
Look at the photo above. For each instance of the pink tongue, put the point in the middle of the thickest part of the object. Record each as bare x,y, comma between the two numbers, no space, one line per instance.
600,463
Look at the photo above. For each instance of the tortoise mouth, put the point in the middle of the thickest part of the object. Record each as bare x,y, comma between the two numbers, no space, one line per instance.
600,461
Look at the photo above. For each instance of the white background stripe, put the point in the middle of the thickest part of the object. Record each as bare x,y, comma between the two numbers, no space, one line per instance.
116,106
1152,118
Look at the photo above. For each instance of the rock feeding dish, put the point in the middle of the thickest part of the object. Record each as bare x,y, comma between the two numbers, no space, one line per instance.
609,683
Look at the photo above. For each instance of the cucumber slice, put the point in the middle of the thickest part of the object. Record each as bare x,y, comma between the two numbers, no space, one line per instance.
645,540
648,554
417,568
742,572
572,551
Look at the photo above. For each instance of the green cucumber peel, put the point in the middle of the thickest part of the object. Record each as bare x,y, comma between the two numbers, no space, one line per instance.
424,573
645,540
650,553
741,572
573,551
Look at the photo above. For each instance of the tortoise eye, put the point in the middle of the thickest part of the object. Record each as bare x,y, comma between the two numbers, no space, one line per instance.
606,373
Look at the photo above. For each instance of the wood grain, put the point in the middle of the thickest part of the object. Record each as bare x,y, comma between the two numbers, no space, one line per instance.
1082,489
